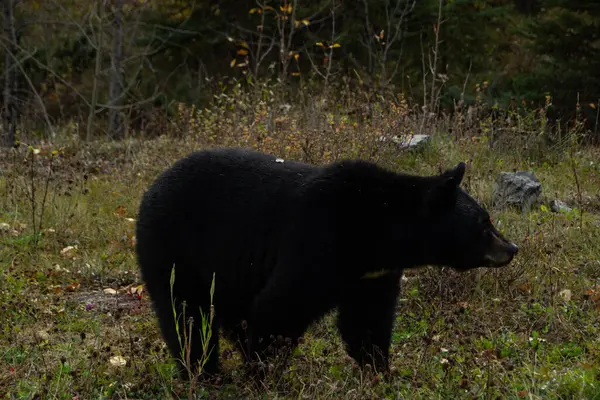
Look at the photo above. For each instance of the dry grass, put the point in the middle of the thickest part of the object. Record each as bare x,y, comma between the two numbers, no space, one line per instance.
511,333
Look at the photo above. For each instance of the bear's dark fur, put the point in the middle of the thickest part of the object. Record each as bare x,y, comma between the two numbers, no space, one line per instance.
289,241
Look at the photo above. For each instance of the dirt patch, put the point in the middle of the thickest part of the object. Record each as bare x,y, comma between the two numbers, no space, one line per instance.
114,301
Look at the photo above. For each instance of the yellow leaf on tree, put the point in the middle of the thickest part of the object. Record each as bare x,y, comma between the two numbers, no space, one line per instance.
593,106
242,52
320,44
333,46
295,73
232,63
296,56
253,10
243,44
306,22
286,8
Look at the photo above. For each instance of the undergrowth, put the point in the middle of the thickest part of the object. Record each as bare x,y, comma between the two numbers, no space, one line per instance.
77,324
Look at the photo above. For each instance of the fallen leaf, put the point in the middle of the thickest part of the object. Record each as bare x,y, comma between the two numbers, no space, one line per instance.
525,287
73,286
136,289
42,335
109,291
565,294
118,361
120,211
69,251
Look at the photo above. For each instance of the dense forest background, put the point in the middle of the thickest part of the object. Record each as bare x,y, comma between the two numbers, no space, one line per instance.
114,67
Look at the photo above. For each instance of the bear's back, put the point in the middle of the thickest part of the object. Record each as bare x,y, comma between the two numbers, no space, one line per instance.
226,176
226,207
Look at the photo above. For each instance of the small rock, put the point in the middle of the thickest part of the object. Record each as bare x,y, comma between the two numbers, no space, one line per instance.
521,189
412,142
559,206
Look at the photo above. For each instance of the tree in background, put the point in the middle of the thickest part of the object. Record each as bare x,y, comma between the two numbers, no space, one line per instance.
565,38
108,67
9,98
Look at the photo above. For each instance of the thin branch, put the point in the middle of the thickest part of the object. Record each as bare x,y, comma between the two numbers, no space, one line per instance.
36,94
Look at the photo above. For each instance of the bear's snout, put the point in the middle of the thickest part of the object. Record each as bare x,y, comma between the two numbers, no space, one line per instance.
501,251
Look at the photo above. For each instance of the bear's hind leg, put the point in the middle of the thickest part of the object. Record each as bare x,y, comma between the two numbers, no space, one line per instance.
365,319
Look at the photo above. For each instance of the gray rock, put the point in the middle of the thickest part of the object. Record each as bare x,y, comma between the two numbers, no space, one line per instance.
521,189
412,142
559,206
285,108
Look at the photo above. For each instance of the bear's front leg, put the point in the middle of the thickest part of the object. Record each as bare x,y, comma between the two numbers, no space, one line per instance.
291,301
366,313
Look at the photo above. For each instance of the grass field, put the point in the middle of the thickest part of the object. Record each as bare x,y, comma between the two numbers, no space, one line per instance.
74,325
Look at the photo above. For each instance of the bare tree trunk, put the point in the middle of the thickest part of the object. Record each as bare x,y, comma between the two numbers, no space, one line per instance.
433,102
99,13
10,83
116,128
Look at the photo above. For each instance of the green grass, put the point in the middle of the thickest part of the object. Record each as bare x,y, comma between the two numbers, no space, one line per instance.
508,333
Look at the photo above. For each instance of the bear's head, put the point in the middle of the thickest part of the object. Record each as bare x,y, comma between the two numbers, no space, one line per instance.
465,237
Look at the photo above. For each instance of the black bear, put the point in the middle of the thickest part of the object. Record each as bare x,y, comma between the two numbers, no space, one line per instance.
287,242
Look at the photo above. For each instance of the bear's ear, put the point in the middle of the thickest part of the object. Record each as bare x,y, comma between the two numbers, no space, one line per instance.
454,176
443,196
